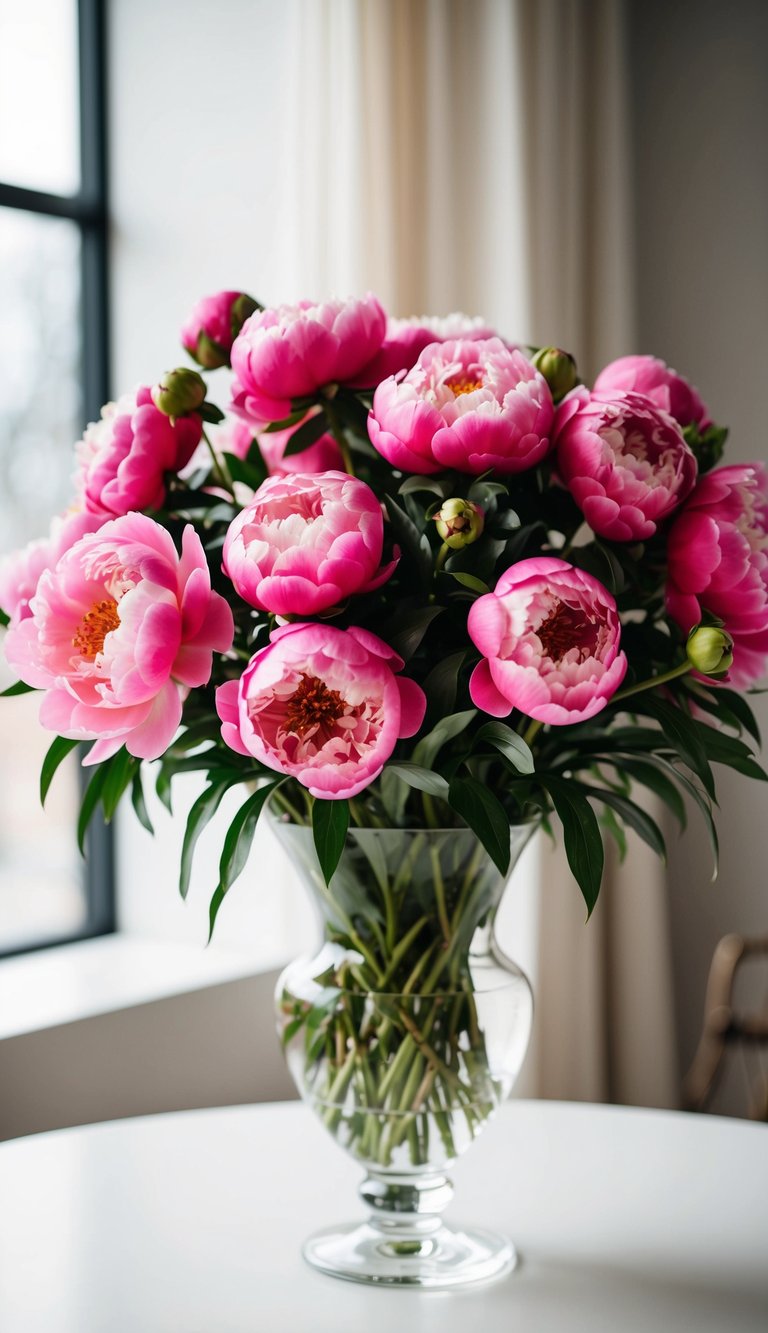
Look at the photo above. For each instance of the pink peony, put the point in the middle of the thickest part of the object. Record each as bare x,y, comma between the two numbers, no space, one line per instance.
465,405
651,376
322,705
213,325
21,570
120,630
624,460
406,339
549,635
305,543
124,457
718,562
290,351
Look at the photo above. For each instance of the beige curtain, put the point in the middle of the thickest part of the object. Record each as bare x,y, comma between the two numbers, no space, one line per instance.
473,154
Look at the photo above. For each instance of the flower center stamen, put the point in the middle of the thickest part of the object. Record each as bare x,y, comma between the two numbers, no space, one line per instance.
312,704
94,627
567,627
463,384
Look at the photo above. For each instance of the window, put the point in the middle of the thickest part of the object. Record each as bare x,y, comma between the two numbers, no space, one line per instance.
53,379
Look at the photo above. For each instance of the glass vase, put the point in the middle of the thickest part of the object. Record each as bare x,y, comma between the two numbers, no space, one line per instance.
404,1033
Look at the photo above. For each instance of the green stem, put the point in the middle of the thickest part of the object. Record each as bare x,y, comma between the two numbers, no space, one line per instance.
532,731
442,913
681,670
339,436
220,469
442,556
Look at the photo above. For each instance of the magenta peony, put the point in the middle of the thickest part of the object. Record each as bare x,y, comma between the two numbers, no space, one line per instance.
21,570
290,351
322,705
123,458
469,405
624,460
718,562
213,325
121,628
549,635
651,376
306,543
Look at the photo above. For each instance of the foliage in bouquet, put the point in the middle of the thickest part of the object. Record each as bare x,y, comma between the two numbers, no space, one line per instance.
417,577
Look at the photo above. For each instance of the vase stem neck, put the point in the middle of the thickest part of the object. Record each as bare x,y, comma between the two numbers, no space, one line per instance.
406,1208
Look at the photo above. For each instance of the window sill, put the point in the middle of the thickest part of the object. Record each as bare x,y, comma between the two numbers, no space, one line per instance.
73,982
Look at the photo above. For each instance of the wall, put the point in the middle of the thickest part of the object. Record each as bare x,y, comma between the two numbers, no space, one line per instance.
700,110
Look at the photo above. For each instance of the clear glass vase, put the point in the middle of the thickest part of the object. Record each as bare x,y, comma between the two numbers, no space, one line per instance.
404,1033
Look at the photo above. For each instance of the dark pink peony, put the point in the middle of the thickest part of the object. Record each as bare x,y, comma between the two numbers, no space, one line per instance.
322,705
653,377
550,635
624,460
123,458
290,351
121,628
306,543
718,562
464,405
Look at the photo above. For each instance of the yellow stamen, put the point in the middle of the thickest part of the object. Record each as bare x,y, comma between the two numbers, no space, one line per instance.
94,627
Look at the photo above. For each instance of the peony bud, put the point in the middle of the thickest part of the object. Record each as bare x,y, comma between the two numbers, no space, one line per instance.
710,650
214,324
179,392
558,369
459,522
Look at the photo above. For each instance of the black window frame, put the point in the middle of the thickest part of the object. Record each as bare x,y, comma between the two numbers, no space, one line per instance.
88,209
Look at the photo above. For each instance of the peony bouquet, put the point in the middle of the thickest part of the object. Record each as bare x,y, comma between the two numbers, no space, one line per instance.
417,578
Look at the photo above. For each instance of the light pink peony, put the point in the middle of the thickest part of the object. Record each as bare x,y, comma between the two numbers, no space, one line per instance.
718,562
120,630
213,325
406,339
549,635
123,457
290,351
322,705
654,378
305,543
465,405
624,460
21,570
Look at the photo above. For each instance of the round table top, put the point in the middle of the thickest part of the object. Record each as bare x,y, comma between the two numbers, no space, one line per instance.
193,1222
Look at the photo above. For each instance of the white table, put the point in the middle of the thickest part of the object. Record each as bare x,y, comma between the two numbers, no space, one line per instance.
192,1223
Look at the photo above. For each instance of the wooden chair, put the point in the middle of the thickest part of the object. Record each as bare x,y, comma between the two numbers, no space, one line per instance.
733,1037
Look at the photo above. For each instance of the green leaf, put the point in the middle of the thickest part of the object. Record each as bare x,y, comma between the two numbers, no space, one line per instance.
414,543
330,821
682,733
423,779
411,628
608,821
412,484
648,775
306,435
486,816
139,804
634,817
728,707
89,802
467,581
241,470
739,706
213,909
121,769
239,836
511,745
5,619
200,814
722,749
441,684
20,687
581,835
57,752
447,728
394,794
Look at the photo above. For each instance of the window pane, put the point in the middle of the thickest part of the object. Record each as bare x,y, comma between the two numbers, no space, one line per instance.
41,892
39,116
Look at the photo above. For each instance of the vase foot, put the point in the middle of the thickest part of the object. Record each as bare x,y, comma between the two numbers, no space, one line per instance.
443,1258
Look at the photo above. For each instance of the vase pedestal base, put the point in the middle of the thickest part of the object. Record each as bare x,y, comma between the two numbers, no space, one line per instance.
441,1258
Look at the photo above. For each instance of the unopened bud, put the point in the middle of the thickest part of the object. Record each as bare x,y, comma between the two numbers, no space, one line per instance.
179,392
710,650
459,522
558,369
242,309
